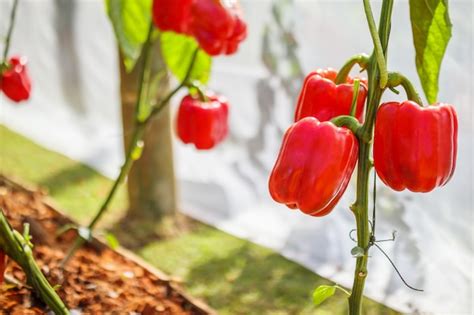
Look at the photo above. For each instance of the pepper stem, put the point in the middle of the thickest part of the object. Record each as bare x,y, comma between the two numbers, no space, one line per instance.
350,122
355,97
395,79
362,60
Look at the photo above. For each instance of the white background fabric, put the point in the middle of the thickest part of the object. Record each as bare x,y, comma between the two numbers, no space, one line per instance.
74,110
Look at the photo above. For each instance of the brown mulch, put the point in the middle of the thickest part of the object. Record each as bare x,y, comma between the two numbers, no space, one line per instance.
96,281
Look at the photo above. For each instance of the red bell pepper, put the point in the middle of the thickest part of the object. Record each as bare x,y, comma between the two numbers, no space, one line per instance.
3,262
415,147
218,26
15,80
203,123
172,15
320,97
314,166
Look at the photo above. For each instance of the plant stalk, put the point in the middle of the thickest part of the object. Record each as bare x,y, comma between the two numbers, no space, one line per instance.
19,249
361,205
10,30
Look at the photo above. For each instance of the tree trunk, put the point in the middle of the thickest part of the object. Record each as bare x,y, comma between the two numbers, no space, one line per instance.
151,182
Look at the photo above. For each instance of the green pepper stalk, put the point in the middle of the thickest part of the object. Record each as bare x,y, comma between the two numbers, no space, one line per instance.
136,144
378,77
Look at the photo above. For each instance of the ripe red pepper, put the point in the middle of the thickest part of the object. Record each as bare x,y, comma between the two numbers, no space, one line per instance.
415,147
172,15
320,97
15,80
203,123
218,26
314,166
3,262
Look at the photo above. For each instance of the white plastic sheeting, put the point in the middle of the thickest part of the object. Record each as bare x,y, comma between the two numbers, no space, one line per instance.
75,110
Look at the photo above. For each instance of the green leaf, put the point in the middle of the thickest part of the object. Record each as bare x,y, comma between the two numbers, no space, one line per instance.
322,293
431,28
178,51
357,251
131,20
112,241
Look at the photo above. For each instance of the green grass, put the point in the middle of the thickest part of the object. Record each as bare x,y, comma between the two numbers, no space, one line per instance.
232,275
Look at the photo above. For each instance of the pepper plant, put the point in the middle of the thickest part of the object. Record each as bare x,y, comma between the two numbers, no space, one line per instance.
414,145
190,32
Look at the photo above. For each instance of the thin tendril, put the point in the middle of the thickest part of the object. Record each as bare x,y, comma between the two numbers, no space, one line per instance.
396,269
350,235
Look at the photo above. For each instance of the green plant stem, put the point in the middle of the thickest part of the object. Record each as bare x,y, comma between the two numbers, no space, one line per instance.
145,73
18,248
362,60
355,97
361,205
138,133
395,79
10,30
378,51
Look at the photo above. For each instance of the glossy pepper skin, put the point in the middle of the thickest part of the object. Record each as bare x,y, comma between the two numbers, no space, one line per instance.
172,15
314,166
203,123
415,147
218,26
15,81
320,97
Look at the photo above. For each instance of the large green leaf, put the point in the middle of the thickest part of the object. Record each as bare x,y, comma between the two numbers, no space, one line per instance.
178,51
131,20
431,28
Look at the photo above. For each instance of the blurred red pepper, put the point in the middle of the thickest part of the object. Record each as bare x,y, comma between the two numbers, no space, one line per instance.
314,166
320,97
203,123
3,262
15,81
218,26
415,147
172,15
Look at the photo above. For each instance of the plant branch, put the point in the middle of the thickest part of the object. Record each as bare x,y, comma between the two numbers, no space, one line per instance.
18,248
10,30
142,91
379,52
183,83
